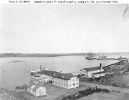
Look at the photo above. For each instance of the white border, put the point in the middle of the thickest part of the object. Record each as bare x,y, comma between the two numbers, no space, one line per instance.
32,1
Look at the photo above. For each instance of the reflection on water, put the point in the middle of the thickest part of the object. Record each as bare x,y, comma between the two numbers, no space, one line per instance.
12,74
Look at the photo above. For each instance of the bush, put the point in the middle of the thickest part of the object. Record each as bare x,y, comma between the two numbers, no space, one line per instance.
86,92
23,87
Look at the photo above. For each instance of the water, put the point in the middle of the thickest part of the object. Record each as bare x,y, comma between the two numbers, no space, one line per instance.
18,73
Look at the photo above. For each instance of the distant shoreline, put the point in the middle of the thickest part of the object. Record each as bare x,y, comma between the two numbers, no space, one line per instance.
2,55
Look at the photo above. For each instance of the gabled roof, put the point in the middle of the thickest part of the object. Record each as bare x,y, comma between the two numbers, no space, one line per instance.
35,86
92,68
65,76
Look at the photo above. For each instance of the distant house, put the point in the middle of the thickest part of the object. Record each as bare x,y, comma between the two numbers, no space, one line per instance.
37,89
3,91
93,72
65,80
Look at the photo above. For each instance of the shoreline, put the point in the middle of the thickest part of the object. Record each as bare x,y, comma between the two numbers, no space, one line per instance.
2,55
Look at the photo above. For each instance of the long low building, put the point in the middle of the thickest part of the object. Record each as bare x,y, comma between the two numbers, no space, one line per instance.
93,72
65,80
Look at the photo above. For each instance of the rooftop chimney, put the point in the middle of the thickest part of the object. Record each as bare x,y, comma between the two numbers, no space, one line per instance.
100,65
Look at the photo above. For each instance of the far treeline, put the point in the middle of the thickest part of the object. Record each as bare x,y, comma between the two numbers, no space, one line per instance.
52,54
39,54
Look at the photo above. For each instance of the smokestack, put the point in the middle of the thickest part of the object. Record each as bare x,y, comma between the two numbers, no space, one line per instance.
100,65
40,67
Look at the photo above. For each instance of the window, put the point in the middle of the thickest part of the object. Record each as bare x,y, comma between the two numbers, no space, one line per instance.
73,80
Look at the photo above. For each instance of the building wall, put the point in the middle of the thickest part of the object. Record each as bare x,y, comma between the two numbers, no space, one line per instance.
84,73
41,91
99,75
32,92
72,83
60,82
89,74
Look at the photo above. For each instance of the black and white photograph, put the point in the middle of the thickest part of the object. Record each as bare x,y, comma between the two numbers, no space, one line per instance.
66,51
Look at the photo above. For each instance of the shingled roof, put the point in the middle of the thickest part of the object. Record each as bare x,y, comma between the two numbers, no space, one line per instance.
65,76
92,68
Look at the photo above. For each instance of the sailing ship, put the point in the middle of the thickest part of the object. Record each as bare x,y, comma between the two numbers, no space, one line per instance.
90,56
102,57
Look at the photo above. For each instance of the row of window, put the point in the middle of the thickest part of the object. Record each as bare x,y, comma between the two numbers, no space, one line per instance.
61,84
65,85
61,80
74,80
74,84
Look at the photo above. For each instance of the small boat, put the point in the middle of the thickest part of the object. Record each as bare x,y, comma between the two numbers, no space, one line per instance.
90,58
15,61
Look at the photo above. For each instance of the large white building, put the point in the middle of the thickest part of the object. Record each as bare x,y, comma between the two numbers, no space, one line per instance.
93,72
65,80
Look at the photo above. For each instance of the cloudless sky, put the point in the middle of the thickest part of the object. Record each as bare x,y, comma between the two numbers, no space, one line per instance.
63,28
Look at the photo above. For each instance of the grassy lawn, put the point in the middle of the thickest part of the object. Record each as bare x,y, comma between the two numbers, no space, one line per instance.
52,91
106,96
121,79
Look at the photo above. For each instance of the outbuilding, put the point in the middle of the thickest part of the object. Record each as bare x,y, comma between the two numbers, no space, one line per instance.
37,89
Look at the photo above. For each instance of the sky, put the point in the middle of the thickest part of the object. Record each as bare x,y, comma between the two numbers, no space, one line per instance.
64,28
